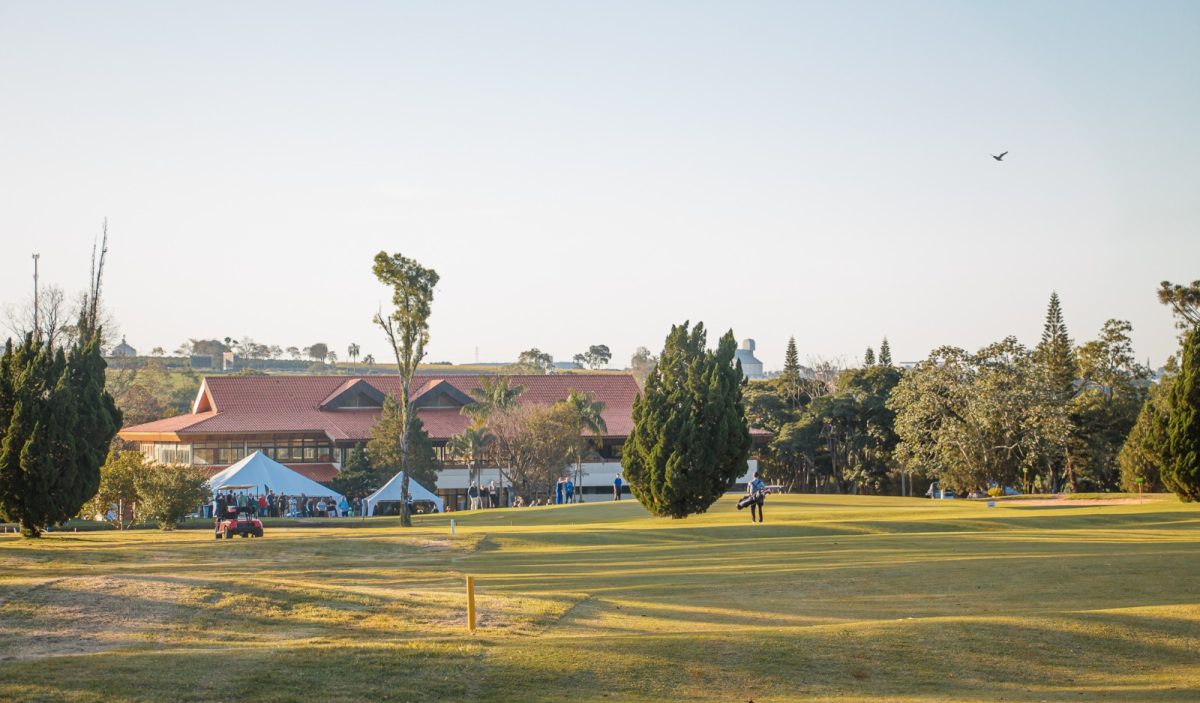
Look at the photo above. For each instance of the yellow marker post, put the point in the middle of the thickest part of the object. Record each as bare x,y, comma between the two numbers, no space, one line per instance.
471,603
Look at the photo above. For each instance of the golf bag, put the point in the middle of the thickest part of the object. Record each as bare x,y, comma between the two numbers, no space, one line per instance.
755,497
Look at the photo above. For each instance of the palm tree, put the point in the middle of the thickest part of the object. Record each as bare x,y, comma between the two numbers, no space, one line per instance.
353,351
471,445
369,359
493,394
590,418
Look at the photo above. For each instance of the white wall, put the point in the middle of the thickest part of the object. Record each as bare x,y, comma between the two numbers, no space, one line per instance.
597,474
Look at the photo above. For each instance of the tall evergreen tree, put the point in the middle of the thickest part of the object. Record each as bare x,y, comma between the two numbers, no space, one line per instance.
56,418
869,358
1055,354
58,422
885,353
690,441
791,361
1181,472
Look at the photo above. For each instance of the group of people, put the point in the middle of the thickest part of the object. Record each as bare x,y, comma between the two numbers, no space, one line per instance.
484,496
272,504
564,491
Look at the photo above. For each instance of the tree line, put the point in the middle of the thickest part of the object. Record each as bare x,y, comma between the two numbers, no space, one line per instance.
1059,416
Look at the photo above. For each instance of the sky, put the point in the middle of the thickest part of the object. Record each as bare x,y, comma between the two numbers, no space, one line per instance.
587,173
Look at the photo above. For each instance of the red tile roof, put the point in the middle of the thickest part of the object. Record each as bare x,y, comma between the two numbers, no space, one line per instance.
265,404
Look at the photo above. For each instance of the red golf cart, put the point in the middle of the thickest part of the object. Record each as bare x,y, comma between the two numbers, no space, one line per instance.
239,521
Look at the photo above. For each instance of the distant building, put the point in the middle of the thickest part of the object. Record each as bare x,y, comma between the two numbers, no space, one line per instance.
200,361
751,366
124,349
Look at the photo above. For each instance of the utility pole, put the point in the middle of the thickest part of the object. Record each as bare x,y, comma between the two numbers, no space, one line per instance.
37,334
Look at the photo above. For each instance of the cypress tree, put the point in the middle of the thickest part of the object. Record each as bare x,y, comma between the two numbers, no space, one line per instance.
885,353
869,357
791,361
1181,471
58,422
690,441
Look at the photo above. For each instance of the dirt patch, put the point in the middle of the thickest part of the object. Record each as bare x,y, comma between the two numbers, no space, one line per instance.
84,615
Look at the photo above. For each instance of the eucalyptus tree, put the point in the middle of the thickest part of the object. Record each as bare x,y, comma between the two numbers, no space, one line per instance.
407,330
1113,387
971,419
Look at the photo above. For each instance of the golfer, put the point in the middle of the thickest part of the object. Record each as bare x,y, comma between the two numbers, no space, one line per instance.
758,489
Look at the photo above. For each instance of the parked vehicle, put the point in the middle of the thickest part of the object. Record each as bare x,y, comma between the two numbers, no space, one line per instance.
238,521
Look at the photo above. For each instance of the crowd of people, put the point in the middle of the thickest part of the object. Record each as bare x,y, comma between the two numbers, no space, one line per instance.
564,493
272,504
481,497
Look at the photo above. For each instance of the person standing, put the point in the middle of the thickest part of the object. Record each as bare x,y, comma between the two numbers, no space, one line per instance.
473,494
617,487
758,489
493,495
568,491
218,509
558,492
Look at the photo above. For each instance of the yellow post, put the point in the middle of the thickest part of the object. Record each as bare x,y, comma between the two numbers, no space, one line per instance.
471,603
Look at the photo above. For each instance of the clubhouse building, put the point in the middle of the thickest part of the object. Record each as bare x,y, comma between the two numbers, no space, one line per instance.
311,423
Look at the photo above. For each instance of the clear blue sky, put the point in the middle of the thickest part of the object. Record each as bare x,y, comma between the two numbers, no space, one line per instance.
584,173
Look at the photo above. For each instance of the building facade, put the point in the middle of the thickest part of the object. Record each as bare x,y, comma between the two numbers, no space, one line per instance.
312,423
751,366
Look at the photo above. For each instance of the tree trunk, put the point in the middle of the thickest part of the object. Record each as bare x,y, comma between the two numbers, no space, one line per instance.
406,413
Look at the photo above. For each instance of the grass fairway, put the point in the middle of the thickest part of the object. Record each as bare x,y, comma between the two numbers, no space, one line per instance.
834,598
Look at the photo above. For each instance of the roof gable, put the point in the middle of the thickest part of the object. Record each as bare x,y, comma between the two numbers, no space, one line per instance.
441,394
287,404
355,394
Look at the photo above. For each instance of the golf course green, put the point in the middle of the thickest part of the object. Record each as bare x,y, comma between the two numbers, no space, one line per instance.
834,598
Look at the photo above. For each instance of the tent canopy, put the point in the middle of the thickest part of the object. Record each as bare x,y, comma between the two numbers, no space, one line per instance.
391,491
263,472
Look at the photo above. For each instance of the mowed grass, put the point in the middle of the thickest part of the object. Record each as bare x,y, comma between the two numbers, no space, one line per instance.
834,598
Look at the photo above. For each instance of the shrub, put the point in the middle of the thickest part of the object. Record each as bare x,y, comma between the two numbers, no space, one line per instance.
169,493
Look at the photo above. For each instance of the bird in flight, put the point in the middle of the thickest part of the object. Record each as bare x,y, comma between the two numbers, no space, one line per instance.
1000,157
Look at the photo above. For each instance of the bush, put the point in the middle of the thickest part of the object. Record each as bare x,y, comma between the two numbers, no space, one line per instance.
170,493
118,485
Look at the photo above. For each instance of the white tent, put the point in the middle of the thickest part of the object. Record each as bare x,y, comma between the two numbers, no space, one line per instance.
263,472
391,491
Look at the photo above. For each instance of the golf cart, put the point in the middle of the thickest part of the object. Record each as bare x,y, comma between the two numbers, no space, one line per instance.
235,520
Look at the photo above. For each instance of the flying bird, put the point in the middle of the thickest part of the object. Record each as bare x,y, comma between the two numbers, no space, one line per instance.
1000,157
